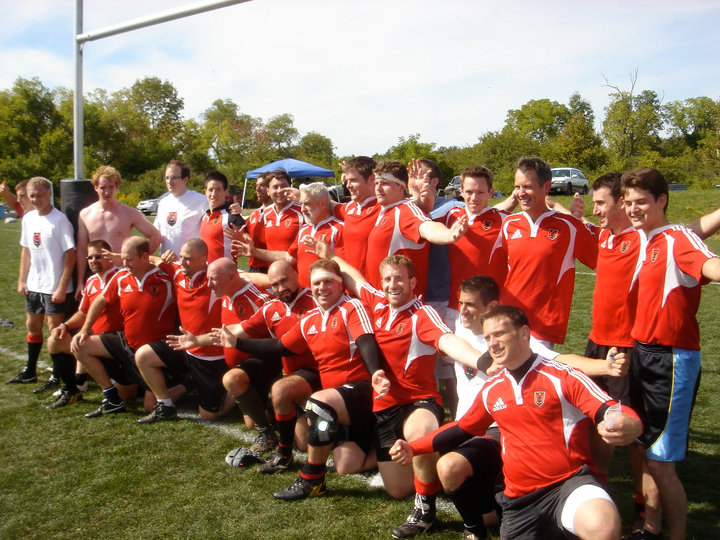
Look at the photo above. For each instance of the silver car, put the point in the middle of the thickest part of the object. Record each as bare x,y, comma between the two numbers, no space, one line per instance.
569,180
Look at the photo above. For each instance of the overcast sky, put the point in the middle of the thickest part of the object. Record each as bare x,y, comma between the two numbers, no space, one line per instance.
365,72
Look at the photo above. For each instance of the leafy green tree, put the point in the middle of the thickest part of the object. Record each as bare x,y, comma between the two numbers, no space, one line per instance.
317,149
539,119
283,135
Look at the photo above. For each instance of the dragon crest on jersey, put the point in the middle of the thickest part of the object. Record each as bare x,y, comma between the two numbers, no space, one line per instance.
401,327
654,255
539,398
288,222
624,246
487,223
552,233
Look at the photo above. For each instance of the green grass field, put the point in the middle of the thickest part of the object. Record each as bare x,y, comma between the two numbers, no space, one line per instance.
63,476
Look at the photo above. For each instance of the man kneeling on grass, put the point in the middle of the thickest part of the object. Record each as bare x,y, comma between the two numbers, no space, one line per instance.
543,410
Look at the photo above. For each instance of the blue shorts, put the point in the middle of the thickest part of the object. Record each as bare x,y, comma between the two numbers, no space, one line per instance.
663,385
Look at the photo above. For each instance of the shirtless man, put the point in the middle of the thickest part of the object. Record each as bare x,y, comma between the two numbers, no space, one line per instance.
110,220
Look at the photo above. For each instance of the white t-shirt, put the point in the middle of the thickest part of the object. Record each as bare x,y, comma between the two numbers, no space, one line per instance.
468,387
47,238
178,219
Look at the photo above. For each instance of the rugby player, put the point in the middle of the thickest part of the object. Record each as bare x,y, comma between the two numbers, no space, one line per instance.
254,222
217,218
549,489
144,295
281,220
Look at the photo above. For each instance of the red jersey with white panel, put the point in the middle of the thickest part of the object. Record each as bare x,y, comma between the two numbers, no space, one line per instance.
541,268
359,219
330,336
329,230
198,306
281,227
669,288
237,308
479,251
212,232
147,305
110,319
397,230
255,230
408,338
276,319
544,420
615,295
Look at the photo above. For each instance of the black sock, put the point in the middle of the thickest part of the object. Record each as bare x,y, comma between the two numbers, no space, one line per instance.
426,503
313,471
252,405
111,394
286,429
472,500
32,359
80,378
64,369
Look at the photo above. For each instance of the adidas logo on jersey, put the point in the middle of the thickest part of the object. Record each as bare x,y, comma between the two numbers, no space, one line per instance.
312,331
92,290
127,288
499,405
517,234
276,317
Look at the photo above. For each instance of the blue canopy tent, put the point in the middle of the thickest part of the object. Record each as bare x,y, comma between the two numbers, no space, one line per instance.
294,167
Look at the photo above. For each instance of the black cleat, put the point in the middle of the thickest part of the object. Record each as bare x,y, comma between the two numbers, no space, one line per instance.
276,463
22,378
302,488
159,413
242,457
418,522
51,383
106,408
66,398
266,441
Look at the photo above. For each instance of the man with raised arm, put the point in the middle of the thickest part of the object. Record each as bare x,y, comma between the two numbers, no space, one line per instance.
110,220
542,246
180,212
280,221
543,410
665,367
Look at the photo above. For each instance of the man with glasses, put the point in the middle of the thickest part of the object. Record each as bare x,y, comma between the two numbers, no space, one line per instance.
180,212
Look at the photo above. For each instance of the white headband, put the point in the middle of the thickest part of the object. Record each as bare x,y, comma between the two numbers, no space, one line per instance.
321,272
389,177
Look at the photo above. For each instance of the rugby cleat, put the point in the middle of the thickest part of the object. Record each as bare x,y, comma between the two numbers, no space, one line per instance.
106,408
276,463
66,398
22,378
242,457
51,383
266,441
159,413
302,488
418,522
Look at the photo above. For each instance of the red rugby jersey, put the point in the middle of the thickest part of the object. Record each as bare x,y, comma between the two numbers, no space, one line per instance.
147,305
330,336
669,288
479,251
281,227
110,319
212,232
255,230
329,230
397,230
408,338
359,220
615,294
541,268
276,319
237,308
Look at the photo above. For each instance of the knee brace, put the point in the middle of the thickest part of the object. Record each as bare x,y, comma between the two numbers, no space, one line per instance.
322,423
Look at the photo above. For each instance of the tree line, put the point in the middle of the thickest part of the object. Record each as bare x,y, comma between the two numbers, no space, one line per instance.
140,128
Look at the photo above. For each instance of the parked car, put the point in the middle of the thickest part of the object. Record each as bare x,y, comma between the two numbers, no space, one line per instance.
339,193
569,180
677,187
454,191
150,206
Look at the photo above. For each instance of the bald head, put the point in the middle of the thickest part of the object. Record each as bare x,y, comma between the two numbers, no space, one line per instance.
137,243
223,277
284,281
198,246
193,256
135,254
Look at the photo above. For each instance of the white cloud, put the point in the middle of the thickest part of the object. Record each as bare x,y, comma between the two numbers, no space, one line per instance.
365,73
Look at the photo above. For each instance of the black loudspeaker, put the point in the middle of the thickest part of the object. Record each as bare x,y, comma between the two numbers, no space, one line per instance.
74,196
